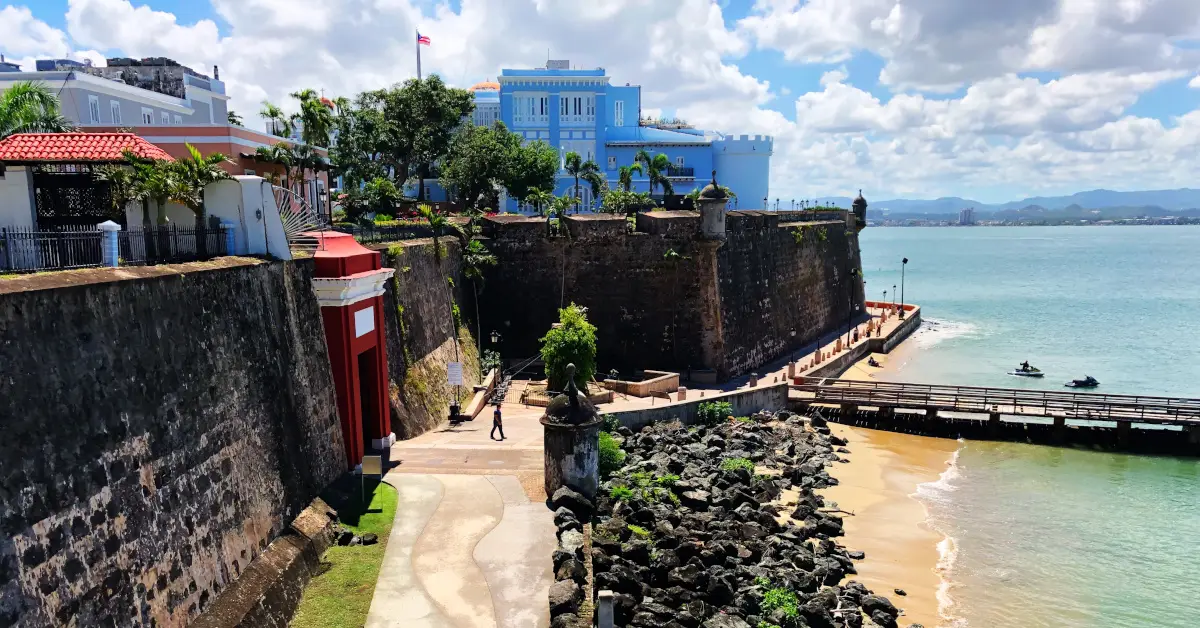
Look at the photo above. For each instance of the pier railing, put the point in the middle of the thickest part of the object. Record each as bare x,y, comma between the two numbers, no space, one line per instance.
1010,401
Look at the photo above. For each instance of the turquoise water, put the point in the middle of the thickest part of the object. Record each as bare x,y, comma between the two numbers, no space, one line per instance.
1121,304
1043,536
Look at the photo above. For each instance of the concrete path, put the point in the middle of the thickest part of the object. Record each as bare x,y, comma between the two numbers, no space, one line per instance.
466,551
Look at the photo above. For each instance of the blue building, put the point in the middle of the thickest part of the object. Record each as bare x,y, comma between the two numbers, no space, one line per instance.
580,111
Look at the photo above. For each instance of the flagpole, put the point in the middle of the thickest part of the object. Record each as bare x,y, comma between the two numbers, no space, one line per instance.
418,42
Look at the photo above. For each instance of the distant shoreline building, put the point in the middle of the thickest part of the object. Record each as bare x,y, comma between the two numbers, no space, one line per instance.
577,110
966,217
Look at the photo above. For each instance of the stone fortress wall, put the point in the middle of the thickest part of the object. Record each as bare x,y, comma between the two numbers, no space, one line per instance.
158,432
649,292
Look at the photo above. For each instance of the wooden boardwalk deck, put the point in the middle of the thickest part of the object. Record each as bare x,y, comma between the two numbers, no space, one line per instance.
1060,406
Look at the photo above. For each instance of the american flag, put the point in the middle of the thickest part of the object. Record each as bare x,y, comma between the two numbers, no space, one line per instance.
422,39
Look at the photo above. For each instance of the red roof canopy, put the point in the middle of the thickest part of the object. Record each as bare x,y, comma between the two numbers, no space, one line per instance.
76,148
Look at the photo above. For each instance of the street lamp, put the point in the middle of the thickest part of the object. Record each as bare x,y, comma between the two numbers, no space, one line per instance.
495,343
851,308
792,344
903,264
766,203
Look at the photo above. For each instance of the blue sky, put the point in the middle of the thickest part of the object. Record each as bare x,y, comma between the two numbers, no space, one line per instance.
912,98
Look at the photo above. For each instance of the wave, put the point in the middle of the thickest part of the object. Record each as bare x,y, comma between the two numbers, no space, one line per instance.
934,331
932,494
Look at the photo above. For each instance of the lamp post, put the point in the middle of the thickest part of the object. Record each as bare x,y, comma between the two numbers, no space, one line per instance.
792,344
894,293
496,343
903,264
766,203
851,308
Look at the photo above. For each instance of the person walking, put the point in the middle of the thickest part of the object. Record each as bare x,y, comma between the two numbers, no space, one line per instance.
497,424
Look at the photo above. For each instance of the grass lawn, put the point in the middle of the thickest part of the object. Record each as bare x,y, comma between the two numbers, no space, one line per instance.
340,596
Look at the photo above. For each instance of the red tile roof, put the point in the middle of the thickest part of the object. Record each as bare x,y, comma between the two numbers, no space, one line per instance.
76,147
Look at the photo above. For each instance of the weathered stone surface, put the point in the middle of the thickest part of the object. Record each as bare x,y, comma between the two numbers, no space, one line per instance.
565,596
167,431
706,307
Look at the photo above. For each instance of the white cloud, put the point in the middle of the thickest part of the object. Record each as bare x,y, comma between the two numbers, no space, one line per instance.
993,127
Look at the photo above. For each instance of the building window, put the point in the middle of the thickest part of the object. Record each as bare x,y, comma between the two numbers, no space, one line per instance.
166,118
178,119
564,106
147,115
619,113
115,107
612,162
94,109
679,161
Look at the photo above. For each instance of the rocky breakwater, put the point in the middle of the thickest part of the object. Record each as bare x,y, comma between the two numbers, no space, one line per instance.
718,526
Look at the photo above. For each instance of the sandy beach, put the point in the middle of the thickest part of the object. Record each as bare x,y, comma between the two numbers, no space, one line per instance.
889,523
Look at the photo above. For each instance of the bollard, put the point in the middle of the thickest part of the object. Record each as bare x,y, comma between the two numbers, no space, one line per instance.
230,237
753,380
791,372
682,393
604,609
110,251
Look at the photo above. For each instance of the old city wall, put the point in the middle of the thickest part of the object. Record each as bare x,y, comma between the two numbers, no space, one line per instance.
160,427
776,276
656,296
641,289
419,327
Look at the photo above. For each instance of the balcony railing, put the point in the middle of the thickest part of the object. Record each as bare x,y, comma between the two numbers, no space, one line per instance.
682,172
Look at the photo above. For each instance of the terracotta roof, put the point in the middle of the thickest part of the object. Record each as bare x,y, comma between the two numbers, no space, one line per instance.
485,86
76,147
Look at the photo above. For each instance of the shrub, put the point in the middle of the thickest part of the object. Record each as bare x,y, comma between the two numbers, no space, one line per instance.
621,493
573,341
611,456
762,581
666,481
783,599
713,412
639,531
490,360
733,464
610,424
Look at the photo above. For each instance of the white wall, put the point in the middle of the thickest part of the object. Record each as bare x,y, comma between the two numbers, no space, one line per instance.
248,203
16,202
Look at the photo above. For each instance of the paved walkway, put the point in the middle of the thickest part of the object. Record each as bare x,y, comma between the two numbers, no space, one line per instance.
466,551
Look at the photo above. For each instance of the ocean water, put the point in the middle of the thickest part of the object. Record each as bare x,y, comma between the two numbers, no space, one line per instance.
1043,536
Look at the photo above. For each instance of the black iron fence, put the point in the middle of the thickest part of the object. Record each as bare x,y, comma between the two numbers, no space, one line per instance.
27,250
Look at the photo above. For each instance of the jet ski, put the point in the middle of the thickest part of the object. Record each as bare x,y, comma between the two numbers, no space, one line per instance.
1027,371
1087,382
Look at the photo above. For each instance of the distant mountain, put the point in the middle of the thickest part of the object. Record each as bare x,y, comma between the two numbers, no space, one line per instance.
1169,201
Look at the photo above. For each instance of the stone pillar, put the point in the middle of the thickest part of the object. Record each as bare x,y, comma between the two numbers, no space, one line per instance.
604,609
753,380
110,250
791,372
711,204
682,393
572,456
712,218
1123,428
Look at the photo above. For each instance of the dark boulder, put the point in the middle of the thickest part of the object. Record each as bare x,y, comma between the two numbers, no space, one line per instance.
567,498
565,597
725,621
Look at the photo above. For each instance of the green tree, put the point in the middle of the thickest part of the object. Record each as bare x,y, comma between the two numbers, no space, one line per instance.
477,163
281,125
359,154
126,185
656,169
541,199
431,113
279,154
475,258
233,118
440,224
573,341
29,107
315,118
625,175
194,173
532,168
586,170
560,205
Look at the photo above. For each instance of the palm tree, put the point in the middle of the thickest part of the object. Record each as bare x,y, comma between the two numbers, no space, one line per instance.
474,258
439,224
28,107
233,118
279,154
280,124
125,186
586,170
195,172
656,168
315,118
625,175
540,198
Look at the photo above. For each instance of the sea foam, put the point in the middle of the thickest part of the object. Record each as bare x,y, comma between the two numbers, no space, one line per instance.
934,331
937,494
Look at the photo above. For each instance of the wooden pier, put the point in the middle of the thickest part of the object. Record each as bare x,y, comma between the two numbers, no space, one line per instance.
998,409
